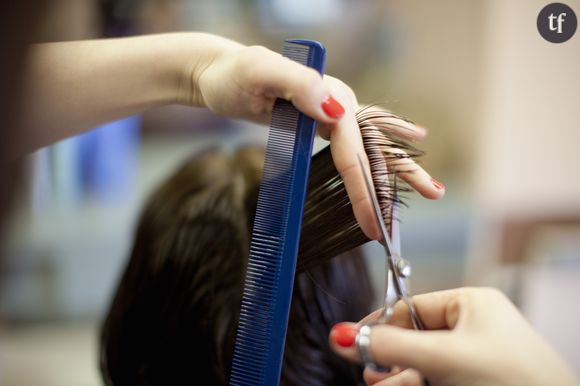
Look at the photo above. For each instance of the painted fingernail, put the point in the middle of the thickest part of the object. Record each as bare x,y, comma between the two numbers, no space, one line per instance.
343,334
332,108
437,184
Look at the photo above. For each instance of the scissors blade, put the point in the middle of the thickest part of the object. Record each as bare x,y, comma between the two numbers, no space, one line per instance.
378,216
392,292
395,226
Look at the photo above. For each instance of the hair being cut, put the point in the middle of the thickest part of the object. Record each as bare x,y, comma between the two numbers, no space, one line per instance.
173,317
174,314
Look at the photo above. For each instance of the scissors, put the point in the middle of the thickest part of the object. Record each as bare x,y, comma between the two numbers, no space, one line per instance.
398,270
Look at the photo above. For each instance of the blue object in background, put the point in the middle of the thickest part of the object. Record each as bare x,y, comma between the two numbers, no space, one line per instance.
108,159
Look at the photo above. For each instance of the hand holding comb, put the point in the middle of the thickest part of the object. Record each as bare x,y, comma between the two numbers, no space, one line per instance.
261,333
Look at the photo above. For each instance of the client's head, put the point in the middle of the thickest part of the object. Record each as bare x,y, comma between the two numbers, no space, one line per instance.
173,317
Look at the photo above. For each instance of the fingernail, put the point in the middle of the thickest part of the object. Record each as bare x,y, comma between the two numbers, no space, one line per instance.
437,184
343,334
332,108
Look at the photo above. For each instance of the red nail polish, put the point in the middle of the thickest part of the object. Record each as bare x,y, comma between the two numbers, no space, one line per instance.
437,184
343,334
332,108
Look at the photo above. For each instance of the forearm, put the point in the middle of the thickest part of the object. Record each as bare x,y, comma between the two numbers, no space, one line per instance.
74,86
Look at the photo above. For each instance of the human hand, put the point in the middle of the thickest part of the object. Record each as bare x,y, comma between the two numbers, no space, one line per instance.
244,82
476,337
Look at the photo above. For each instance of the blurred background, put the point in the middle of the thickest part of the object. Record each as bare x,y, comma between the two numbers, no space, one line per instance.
500,103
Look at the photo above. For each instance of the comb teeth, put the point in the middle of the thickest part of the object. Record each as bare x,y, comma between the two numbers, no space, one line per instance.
267,293
296,52
259,301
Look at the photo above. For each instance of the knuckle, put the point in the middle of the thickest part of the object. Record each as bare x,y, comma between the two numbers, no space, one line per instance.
494,293
256,51
249,60
313,76
481,295
303,84
343,90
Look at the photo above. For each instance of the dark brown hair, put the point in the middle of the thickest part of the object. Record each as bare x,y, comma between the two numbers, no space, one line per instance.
173,317
329,227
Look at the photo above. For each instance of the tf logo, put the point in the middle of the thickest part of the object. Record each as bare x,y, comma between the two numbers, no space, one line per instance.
557,22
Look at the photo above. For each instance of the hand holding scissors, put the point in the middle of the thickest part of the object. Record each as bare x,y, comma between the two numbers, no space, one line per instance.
475,333
398,271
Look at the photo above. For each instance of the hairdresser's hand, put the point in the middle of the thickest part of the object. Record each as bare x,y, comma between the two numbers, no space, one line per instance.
73,86
480,338
244,82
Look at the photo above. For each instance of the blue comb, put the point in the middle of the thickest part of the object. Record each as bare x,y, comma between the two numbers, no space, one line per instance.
261,333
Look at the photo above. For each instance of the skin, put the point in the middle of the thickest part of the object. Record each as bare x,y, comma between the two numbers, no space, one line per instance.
73,86
476,337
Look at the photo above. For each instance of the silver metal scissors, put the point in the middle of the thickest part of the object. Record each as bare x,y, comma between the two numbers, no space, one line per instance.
398,270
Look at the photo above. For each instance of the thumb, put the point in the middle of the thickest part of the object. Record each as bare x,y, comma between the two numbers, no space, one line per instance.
425,351
304,87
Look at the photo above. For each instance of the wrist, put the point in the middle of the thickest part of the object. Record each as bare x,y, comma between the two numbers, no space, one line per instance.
190,55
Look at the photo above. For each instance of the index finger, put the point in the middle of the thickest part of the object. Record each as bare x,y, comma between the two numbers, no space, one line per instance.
345,144
397,132
438,310
346,140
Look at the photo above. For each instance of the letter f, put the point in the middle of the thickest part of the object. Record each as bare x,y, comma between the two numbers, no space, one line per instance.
560,21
